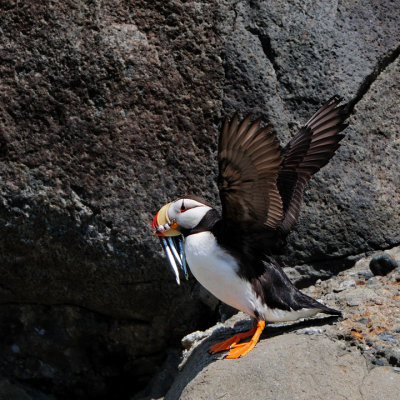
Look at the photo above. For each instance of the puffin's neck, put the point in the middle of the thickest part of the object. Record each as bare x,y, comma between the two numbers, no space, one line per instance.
206,224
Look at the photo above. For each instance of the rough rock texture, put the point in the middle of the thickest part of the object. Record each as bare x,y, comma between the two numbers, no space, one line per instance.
356,357
94,96
371,307
290,367
109,109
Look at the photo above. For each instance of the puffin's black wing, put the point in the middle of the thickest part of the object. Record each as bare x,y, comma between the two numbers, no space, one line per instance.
312,147
249,157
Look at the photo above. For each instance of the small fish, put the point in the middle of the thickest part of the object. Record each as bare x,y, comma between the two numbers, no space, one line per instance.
174,251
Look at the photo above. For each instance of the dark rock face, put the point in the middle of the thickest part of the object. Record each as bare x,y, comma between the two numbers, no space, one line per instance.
109,111
97,103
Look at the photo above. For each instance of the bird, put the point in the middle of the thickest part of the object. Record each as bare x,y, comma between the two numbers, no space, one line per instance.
261,188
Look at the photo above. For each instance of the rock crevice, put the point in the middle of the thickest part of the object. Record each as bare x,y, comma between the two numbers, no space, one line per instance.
384,61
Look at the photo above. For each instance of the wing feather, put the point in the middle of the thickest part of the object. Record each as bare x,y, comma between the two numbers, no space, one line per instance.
311,149
260,184
249,158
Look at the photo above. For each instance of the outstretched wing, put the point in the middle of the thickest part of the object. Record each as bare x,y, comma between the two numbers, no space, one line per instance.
312,147
249,157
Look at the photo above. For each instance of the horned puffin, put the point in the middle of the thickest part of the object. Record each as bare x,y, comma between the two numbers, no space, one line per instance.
261,189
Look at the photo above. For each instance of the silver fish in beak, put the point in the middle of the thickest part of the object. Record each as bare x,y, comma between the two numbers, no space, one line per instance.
171,240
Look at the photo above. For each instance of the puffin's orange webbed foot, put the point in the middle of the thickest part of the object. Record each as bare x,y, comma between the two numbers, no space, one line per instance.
227,344
239,350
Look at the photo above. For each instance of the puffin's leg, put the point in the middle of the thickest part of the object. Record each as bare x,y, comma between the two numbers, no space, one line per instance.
228,344
240,350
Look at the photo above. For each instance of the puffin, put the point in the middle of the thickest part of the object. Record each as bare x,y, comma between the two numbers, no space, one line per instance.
261,189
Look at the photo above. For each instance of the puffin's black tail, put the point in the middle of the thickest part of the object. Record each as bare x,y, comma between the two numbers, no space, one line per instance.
308,302
328,310
279,292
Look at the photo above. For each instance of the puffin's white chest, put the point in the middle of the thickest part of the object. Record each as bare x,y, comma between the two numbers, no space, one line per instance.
217,270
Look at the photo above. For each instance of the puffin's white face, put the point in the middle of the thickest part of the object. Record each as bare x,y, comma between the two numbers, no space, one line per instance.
187,212
180,214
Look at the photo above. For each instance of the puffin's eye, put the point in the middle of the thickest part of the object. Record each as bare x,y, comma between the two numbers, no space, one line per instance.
183,208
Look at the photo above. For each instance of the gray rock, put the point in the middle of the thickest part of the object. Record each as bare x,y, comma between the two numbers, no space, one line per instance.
310,331
284,367
353,300
189,340
373,282
366,274
360,295
383,264
381,383
345,285
387,337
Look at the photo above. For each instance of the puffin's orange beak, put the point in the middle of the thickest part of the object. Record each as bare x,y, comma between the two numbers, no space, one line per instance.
162,225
